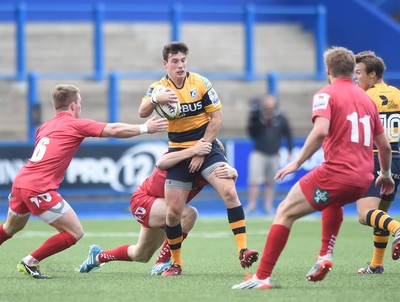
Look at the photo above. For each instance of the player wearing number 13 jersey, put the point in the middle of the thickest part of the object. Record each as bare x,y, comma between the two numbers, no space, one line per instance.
34,188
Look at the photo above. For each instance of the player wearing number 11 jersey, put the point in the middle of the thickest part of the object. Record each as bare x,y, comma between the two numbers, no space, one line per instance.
34,188
369,76
346,124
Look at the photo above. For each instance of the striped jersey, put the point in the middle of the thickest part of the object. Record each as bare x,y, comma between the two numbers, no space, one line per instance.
387,101
197,97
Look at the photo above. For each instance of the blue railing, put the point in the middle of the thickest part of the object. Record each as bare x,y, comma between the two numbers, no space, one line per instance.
249,15
99,14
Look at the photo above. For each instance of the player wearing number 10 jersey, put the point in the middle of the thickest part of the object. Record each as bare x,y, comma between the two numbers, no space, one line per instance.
369,76
346,124
34,188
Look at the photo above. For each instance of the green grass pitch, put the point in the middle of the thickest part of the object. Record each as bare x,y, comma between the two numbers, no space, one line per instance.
211,266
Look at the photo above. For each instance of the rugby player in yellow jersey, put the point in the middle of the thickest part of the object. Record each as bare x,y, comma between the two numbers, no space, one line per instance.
200,118
369,76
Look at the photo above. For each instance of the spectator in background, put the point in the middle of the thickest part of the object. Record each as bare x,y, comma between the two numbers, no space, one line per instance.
266,126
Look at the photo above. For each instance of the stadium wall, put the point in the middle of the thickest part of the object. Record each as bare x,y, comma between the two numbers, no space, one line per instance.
361,25
102,176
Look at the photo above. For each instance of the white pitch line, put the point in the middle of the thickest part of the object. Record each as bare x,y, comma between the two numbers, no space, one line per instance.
194,234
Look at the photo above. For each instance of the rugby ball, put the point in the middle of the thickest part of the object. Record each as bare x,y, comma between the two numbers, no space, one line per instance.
168,111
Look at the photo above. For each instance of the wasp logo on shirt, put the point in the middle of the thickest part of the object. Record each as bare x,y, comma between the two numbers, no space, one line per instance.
384,100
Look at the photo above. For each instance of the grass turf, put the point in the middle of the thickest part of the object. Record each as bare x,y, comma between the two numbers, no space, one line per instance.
211,266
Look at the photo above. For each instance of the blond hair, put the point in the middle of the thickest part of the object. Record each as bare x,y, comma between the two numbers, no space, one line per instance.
340,62
63,95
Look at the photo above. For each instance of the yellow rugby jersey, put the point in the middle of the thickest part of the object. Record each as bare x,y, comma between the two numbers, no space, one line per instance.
387,101
196,98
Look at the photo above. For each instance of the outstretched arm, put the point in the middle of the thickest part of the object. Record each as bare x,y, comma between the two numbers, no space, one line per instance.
123,130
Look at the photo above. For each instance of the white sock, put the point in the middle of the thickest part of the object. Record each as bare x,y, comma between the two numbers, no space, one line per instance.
29,260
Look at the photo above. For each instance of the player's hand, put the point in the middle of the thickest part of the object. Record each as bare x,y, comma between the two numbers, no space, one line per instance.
202,147
289,168
156,125
196,163
167,96
386,183
225,171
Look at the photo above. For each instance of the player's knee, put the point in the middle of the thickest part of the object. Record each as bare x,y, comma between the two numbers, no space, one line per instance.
230,197
191,213
189,218
362,219
362,216
11,230
77,232
174,215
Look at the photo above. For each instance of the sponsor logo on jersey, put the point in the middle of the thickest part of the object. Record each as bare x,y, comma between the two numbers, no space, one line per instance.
139,213
392,105
321,101
320,196
191,107
212,94
149,91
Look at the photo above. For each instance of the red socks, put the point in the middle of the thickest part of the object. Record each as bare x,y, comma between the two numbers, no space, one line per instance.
120,253
3,235
53,245
332,218
276,241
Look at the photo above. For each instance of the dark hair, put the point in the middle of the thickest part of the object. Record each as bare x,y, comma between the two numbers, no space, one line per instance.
372,62
174,48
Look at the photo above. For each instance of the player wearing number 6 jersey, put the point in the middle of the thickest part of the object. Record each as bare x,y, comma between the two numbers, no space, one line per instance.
34,188
346,124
